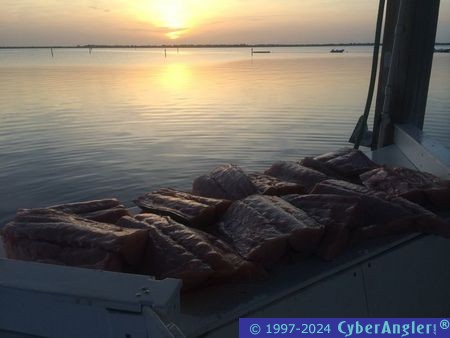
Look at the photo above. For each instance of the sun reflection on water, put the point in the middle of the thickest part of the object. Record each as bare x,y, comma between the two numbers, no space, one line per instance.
175,76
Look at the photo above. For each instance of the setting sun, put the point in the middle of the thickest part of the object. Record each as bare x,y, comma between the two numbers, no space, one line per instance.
172,13
176,18
171,17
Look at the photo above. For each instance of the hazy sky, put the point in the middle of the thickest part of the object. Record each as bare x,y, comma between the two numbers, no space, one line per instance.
68,22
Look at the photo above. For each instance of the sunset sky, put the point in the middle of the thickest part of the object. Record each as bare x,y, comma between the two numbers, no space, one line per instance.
64,22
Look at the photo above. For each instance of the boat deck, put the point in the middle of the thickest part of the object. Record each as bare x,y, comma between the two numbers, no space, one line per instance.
357,284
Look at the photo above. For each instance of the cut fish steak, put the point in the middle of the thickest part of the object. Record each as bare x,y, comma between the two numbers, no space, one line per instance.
224,182
269,185
196,257
47,234
264,228
346,162
419,187
50,253
189,209
339,214
311,163
106,210
386,214
296,173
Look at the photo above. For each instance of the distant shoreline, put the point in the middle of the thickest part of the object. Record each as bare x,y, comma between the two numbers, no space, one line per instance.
206,45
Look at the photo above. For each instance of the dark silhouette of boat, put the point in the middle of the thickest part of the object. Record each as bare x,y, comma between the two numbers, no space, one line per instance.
337,50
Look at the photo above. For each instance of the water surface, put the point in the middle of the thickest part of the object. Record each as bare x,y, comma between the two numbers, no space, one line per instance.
120,122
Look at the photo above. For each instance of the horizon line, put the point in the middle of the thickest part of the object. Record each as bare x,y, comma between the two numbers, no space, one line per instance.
225,45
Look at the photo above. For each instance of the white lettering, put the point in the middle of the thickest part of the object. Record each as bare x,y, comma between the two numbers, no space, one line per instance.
350,328
419,328
377,328
396,328
340,327
386,328
359,328
405,328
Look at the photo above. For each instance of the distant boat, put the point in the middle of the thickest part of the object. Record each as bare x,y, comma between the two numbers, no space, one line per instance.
260,51
442,50
337,51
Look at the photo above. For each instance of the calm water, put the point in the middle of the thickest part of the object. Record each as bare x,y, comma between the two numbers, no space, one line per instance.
122,122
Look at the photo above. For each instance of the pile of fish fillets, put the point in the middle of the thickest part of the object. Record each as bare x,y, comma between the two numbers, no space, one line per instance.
237,226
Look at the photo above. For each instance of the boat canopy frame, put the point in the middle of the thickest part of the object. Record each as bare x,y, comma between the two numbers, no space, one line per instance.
405,70
406,61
